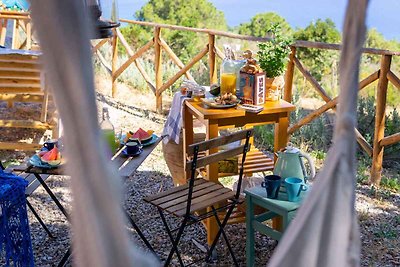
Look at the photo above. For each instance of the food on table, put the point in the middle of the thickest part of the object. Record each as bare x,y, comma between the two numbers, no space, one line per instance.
150,132
142,135
226,99
52,157
128,135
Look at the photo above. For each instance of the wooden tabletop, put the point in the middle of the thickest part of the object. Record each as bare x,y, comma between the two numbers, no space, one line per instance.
126,165
203,112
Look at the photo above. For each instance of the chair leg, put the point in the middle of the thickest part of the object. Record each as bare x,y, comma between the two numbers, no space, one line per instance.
139,232
39,219
221,229
175,241
224,235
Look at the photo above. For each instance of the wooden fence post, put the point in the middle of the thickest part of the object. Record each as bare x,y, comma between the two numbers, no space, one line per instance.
379,134
211,59
287,94
158,68
114,66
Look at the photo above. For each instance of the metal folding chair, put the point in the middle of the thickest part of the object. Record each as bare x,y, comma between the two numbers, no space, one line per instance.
201,199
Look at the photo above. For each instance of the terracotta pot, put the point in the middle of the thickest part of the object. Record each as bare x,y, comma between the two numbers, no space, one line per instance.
173,155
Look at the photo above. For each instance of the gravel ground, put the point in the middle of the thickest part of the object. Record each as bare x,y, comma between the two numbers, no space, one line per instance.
379,215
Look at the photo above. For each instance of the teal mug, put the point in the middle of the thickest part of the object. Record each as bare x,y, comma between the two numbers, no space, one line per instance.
294,186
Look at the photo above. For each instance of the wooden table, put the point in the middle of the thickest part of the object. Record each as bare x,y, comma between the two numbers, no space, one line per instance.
274,112
126,167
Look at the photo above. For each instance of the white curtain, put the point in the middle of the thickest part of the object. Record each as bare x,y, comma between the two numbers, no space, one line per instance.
98,229
325,230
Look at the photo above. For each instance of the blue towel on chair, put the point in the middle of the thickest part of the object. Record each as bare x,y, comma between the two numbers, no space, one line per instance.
15,237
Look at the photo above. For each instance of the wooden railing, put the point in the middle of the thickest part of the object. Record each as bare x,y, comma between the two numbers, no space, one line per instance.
158,86
383,75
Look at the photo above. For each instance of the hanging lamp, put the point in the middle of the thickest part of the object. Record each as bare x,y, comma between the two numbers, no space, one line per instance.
104,15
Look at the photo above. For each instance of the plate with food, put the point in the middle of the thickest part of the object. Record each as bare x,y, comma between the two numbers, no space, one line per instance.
47,159
144,137
226,100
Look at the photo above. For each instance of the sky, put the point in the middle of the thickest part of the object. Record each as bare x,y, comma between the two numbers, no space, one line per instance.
384,15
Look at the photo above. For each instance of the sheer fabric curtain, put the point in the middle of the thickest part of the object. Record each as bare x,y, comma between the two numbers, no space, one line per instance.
98,229
325,231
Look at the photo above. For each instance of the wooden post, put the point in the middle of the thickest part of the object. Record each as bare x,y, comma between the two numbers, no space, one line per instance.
114,64
28,35
287,94
379,134
211,59
3,33
14,42
158,68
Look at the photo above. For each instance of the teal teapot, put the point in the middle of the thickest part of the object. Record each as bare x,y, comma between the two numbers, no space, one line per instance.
290,164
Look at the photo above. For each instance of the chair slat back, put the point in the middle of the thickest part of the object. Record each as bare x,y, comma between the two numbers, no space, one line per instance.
219,141
201,162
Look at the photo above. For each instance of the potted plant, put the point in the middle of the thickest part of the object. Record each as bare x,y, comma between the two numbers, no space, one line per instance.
272,57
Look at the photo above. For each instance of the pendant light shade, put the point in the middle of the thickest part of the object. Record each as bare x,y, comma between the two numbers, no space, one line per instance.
104,16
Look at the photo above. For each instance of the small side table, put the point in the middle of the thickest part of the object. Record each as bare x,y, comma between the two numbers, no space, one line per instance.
276,207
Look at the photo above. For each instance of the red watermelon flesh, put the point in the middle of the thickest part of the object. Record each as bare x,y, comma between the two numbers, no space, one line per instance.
141,134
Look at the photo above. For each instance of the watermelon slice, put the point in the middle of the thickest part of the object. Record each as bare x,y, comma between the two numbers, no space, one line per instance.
51,155
142,135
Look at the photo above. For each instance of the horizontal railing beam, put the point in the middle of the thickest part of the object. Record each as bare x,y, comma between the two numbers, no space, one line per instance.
299,43
390,140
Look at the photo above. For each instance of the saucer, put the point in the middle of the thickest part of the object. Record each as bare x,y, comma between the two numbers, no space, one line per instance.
152,140
124,152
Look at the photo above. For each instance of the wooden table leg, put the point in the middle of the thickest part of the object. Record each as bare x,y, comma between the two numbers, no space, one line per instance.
212,175
281,135
280,141
188,135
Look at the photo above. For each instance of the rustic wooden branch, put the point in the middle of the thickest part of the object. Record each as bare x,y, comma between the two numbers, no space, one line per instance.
393,79
379,133
99,44
311,79
206,31
158,68
287,94
104,62
187,67
390,140
114,65
174,58
211,59
316,113
331,103
219,52
131,59
305,44
136,62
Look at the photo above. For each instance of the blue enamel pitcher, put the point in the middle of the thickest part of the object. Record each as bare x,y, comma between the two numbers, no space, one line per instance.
290,164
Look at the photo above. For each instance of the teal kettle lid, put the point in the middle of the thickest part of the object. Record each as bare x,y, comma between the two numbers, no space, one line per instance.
291,149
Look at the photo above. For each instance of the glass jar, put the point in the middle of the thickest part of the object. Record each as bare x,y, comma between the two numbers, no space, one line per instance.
229,75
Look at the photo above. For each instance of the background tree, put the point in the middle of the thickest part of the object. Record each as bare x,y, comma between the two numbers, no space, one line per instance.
190,13
318,61
260,23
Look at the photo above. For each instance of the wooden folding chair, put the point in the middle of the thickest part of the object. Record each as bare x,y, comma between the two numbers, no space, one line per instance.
201,199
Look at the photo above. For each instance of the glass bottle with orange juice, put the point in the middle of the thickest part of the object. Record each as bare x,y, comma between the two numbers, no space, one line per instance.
229,72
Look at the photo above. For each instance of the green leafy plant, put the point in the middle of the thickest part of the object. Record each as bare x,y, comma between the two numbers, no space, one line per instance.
273,55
